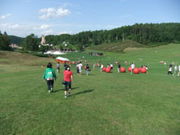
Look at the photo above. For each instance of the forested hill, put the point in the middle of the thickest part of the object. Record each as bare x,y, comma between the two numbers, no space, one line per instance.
142,33
15,39
145,34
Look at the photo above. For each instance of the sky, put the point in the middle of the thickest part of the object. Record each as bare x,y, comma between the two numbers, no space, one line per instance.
45,17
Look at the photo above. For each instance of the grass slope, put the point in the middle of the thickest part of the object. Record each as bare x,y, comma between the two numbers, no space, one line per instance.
118,46
102,103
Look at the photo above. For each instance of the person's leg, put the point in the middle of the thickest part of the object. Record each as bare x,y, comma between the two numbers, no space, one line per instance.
87,72
52,85
49,85
69,86
178,73
66,89
131,71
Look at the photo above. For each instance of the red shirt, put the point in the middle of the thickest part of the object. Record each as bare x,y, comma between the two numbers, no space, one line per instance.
67,75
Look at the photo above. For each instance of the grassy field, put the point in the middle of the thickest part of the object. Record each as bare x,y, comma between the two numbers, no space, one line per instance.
101,103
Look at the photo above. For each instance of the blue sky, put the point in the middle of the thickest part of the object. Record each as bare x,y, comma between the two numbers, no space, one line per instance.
43,17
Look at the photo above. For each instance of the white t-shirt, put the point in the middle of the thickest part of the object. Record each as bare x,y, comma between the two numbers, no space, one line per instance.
80,67
175,68
170,69
132,66
179,68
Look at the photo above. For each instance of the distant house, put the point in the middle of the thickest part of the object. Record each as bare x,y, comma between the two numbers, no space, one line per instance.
54,52
95,54
14,46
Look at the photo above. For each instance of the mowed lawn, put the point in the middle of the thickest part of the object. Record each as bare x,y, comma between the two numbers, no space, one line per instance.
101,103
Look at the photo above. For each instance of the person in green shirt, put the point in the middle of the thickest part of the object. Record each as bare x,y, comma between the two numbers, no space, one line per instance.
49,76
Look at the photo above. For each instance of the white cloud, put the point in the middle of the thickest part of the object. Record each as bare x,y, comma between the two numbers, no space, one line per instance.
53,12
45,26
42,27
25,29
9,26
5,16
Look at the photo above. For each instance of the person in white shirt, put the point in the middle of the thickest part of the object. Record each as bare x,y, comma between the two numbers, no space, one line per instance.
179,70
175,70
132,67
111,65
101,67
79,67
170,69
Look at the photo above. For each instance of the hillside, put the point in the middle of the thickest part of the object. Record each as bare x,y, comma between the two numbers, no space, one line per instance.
118,46
15,58
15,39
118,103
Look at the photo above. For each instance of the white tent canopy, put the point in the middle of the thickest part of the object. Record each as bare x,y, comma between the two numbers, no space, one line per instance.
54,52
62,60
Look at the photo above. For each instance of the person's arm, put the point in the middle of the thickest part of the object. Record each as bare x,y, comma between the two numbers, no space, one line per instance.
71,77
54,74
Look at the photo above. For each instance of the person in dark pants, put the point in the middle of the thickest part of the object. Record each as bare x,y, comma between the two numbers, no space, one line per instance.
49,76
87,68
170,70
68,77
119,66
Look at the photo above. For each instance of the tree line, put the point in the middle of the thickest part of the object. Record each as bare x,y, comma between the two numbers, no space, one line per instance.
143,33
4,41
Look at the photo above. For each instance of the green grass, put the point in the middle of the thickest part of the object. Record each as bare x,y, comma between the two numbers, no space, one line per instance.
101,104
117,46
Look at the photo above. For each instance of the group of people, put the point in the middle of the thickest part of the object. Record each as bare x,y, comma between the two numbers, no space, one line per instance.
50,76
79,68
174,70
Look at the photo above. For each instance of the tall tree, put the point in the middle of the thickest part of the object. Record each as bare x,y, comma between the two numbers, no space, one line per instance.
31,43
4,41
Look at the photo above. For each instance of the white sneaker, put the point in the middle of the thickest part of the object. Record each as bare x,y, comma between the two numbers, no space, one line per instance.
49,91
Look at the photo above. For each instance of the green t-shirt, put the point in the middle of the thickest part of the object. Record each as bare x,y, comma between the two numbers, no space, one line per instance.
49,74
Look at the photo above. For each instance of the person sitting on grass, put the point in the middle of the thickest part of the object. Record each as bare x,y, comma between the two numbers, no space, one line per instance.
68,77
49,76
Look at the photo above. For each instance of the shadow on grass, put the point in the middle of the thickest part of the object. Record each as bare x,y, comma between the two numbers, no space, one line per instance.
62,89
83,92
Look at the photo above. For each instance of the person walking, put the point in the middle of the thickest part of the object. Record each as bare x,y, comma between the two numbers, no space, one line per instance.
49,76
58,67
68,77
178,70
87,68
118,67
175,71
79,68
170,70
132,67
